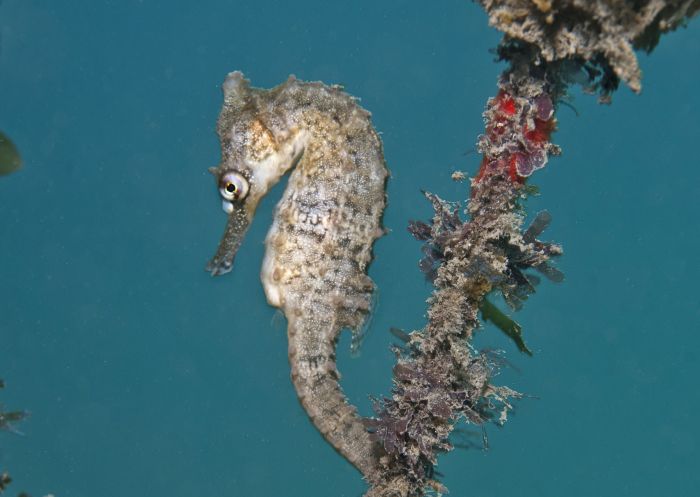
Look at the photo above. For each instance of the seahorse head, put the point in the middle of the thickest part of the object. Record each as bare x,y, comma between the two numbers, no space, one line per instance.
257,148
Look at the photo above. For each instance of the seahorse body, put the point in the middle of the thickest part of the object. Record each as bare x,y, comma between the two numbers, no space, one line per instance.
320,242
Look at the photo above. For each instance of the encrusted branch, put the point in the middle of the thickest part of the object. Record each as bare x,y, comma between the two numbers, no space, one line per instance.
439,379
600,34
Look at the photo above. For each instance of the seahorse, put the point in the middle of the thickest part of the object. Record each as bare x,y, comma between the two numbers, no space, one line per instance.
320,242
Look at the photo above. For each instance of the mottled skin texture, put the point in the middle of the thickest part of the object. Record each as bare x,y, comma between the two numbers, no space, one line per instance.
320,242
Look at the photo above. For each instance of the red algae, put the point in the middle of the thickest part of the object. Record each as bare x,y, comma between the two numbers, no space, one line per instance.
518,129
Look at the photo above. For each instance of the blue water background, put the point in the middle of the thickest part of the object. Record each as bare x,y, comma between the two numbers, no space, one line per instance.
145,376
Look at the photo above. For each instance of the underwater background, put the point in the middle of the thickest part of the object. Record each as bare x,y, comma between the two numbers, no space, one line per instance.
145,376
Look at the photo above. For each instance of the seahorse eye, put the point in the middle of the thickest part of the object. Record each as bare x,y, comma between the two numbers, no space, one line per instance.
233,186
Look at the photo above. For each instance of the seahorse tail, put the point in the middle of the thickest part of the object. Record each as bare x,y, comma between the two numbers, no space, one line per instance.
316,380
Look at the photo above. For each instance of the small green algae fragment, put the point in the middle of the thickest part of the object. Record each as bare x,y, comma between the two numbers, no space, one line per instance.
10,160
504,323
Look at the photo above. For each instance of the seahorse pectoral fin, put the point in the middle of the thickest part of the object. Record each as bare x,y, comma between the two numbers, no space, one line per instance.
236,227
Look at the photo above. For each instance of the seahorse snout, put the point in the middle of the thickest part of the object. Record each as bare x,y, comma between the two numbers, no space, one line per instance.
236,227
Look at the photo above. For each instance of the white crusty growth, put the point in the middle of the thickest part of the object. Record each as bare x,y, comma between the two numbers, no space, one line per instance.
320,242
